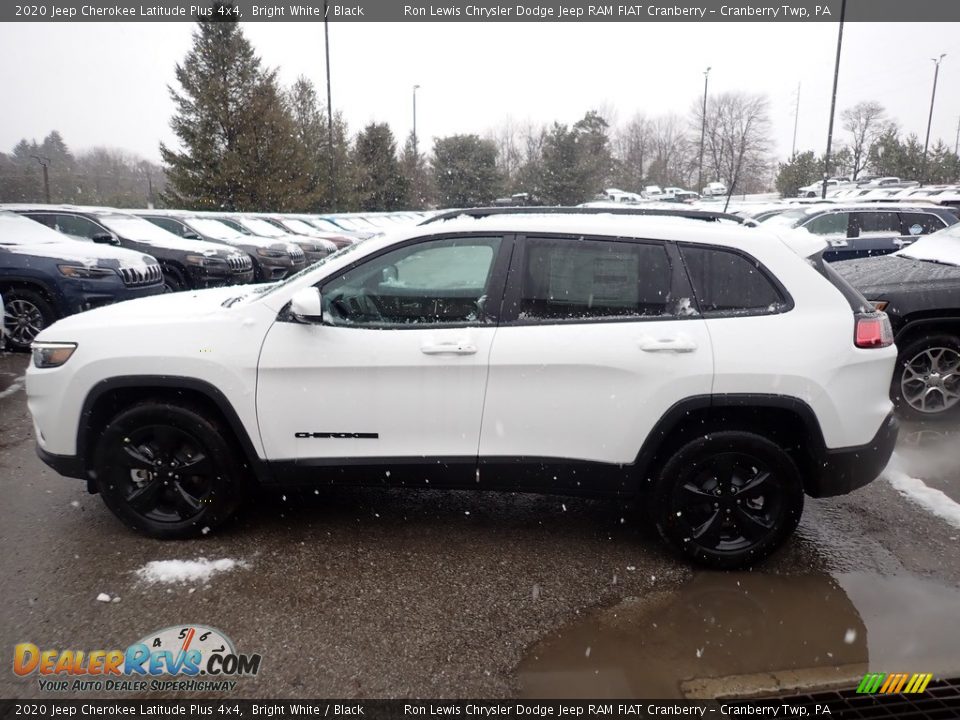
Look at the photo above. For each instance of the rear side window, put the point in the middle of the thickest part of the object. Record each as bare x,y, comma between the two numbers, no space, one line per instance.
582,279
727,282
876,223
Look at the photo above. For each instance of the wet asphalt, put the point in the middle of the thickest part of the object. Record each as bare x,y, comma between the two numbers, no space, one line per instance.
385,593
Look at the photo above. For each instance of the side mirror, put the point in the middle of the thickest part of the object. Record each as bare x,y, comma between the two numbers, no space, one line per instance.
191,236
105,239
306,305
389,274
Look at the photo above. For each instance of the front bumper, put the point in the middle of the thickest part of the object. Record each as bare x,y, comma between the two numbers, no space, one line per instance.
89,294
66,465
845,469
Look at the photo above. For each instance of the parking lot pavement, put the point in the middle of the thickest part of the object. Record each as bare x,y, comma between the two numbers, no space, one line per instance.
372,593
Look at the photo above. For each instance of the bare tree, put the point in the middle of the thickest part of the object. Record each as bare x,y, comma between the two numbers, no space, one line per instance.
631,148
738,140
670,148
865,121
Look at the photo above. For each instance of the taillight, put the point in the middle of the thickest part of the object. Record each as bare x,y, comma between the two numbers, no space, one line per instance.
873,331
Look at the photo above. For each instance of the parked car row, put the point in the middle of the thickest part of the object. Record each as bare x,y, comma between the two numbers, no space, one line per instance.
57,260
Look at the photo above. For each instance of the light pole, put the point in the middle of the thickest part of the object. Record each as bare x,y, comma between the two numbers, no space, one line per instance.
933,96
44,163
833,101
796,121
333,161
703,129
415,88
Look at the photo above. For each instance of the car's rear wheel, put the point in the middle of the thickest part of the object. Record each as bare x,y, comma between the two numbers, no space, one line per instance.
173,281
728,499
25,314
926,382
169,471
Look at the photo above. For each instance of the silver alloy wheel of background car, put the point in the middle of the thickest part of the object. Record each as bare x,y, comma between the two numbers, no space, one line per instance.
23,321
931,380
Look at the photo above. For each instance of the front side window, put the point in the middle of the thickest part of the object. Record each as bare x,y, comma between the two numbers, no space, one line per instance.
831,225
438,282
579,279
77,226
726,282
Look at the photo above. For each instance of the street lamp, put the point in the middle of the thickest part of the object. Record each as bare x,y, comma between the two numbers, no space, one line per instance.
703,129
332,153
415,88
44,163
833,100
933,96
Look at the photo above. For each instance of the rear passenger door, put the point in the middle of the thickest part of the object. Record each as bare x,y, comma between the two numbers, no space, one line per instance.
598,338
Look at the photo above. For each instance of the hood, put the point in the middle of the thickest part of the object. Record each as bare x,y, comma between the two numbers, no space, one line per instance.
81,253
136,229
169,307
896,273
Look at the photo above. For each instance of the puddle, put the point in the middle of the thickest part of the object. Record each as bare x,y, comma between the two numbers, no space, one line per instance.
737,633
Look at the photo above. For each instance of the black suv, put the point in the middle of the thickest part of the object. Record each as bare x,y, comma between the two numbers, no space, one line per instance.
45,276
272,259
919,289
858,230
186,264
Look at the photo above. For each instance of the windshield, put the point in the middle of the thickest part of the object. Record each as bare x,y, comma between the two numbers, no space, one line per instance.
261,227
787,218
298,226
17,230
136,228
213,228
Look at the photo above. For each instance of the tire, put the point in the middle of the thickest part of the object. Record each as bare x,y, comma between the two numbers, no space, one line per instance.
180,439
173,281
926,381
731,523
25,314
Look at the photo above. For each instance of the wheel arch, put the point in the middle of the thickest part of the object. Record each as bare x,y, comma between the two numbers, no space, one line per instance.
787,421
109,397
917,325
48,291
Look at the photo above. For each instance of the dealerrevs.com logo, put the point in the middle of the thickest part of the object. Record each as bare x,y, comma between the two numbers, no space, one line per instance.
185,658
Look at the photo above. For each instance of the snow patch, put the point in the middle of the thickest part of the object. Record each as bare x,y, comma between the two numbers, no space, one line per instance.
181,571
930,499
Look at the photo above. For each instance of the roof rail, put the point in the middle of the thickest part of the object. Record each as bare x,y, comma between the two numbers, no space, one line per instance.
691,214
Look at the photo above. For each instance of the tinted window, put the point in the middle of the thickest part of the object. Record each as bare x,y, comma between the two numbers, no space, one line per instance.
167,224
78,226
439,281
829,224
591,279
877,223
920,223
727,282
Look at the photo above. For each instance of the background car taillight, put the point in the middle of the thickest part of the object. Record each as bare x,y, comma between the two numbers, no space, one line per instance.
873,331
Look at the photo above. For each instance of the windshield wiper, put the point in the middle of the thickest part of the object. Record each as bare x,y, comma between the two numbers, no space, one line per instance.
929,260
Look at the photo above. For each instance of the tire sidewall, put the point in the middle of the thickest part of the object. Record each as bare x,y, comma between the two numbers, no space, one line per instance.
228,484
909,352
683,465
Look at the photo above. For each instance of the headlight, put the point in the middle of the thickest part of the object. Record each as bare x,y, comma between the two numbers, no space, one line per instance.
204,260
85,273
269,252
51,354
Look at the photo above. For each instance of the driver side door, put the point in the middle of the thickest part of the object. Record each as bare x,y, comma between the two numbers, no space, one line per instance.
391,384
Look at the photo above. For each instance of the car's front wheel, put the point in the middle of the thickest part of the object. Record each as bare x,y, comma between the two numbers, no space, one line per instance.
168,470
728,499
25,314
926,382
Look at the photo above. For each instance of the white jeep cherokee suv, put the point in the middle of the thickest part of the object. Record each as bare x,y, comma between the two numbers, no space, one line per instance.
714,372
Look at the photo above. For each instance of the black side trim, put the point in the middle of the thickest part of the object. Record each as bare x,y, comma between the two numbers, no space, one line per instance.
67,465
421,472
169,382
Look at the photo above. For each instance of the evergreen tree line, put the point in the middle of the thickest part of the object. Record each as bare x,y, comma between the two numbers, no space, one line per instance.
101,176
872,143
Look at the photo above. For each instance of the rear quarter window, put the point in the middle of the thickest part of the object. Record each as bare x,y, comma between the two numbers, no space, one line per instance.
729,283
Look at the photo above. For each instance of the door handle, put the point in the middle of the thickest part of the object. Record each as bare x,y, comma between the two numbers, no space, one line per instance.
456,348
901,242
677,344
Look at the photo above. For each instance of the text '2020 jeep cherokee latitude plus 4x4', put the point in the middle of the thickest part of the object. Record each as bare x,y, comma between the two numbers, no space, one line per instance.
708,369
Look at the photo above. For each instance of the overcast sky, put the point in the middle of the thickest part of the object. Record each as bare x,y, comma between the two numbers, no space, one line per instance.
106,83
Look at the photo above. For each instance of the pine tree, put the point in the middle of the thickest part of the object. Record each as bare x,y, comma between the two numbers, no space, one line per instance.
239,145
465,171
380,184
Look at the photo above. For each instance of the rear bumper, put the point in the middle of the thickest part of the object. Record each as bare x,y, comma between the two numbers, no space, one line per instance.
846,469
